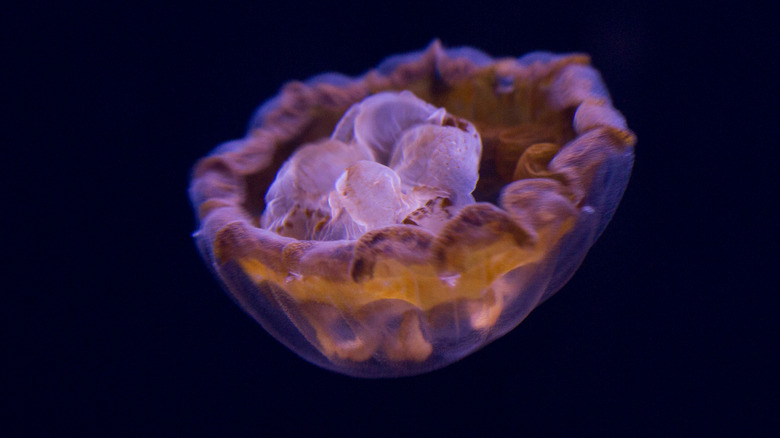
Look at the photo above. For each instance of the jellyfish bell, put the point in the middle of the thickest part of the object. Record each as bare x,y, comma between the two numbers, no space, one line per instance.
391,224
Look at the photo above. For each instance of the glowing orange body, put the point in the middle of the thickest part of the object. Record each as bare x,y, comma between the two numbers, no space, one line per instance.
407,272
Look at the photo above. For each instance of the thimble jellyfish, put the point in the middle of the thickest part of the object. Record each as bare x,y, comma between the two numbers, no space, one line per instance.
393,223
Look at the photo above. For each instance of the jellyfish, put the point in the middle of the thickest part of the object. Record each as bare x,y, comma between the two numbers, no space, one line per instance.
393,223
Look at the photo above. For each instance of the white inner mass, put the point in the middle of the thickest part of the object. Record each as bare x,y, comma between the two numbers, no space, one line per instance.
392,159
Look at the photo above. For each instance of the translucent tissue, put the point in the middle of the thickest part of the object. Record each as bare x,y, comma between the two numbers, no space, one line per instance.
391,224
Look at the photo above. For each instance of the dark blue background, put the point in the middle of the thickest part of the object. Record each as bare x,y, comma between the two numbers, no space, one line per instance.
115,326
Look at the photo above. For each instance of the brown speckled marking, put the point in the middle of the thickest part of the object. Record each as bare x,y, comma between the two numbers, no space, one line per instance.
404,243
239,240
477,226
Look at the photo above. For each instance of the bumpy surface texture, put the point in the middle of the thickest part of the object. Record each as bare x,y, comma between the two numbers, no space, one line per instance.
393,223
